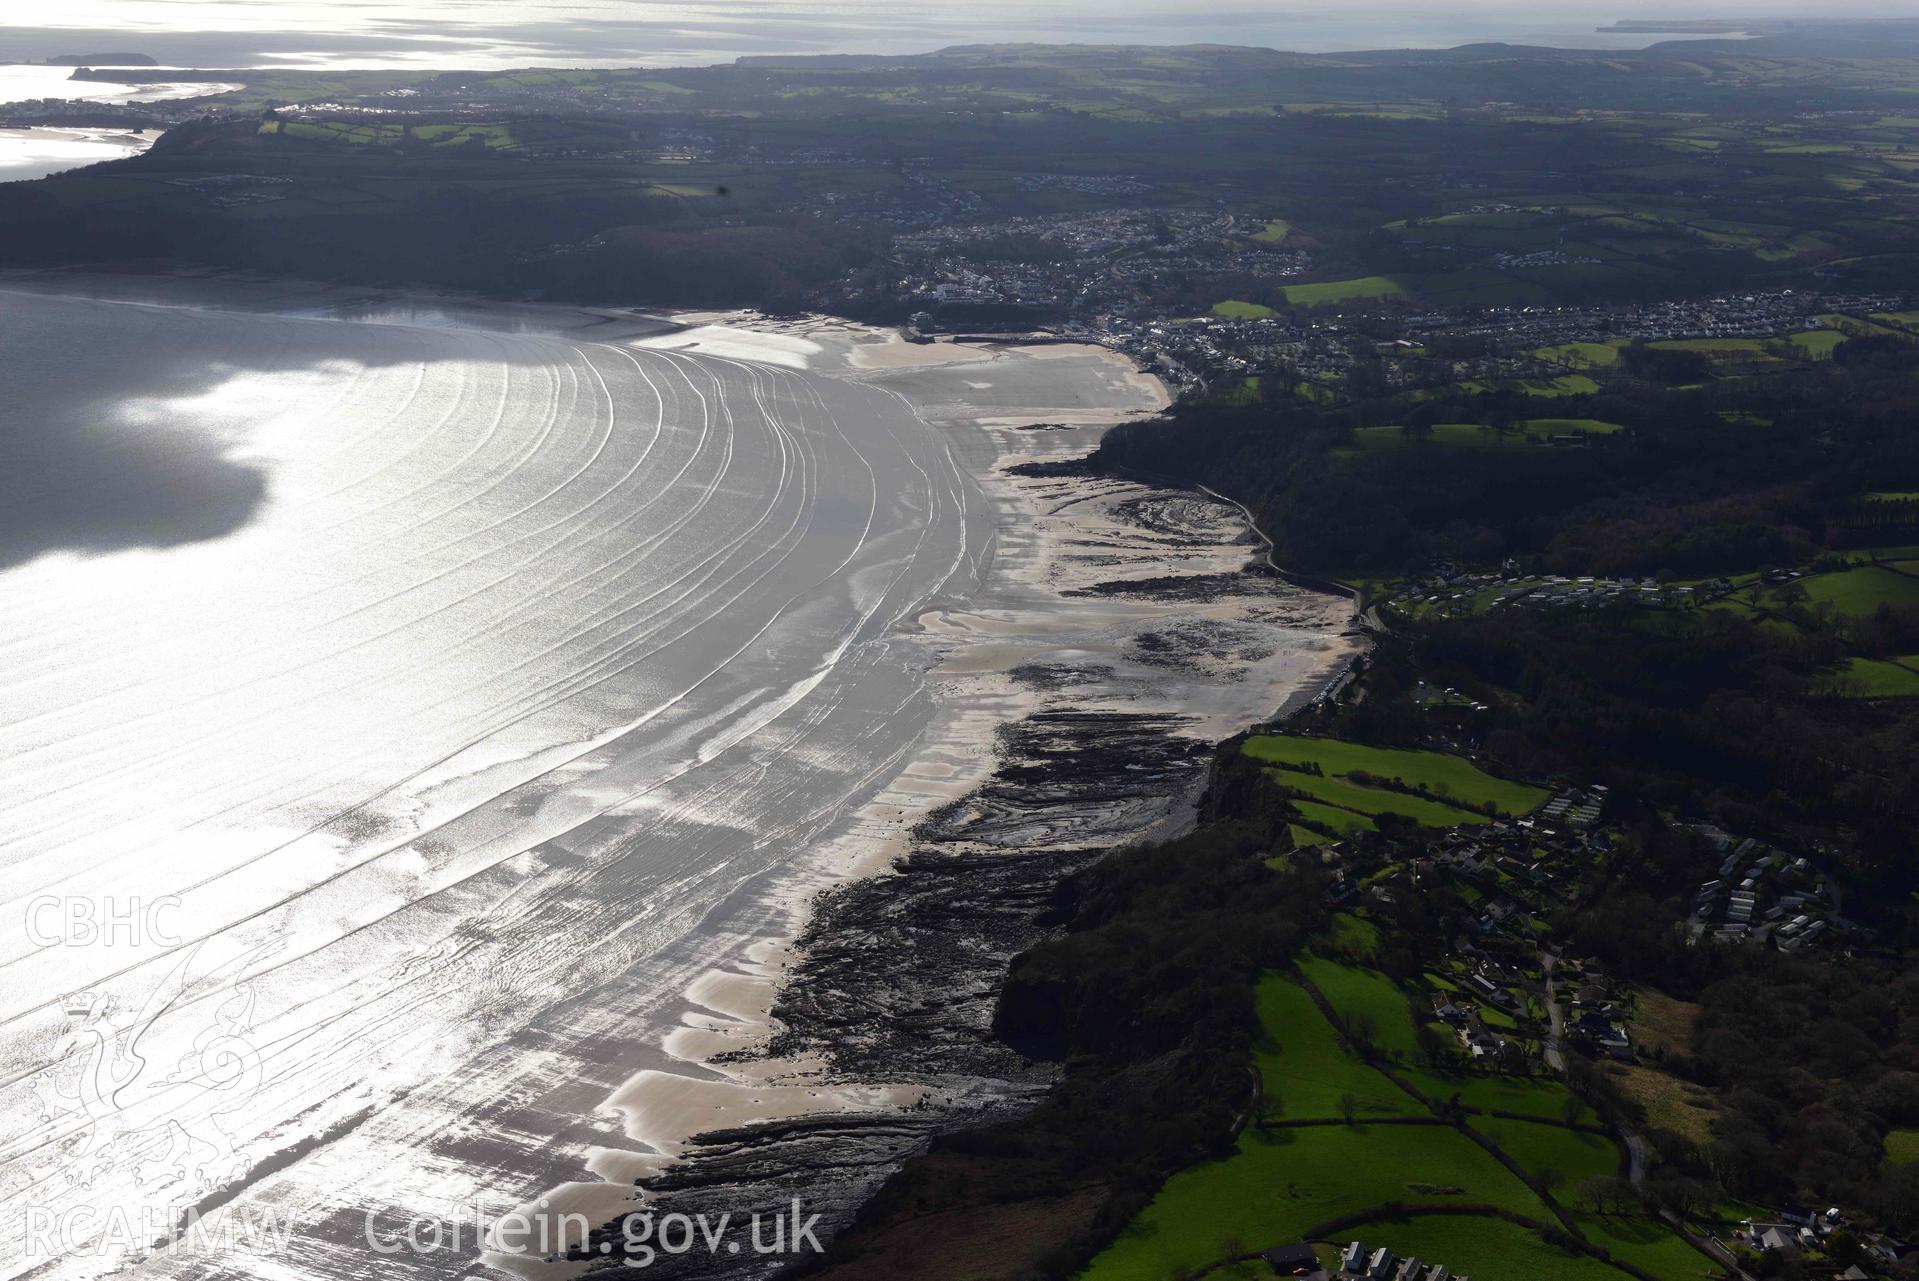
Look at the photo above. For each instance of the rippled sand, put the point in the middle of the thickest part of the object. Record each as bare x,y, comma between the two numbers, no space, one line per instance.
1046,632
474,680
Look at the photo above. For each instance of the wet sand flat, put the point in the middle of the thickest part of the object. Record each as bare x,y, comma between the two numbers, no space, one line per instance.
35,153
1076,635
496,688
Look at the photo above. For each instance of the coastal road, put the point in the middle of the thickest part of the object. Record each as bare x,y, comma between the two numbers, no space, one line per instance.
1637,1149
1556,1017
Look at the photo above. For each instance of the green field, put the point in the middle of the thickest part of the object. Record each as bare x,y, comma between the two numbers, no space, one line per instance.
494,136
1807,149
1357,993
1576,1154
1902,1147
1375,801
1448,776
335,131
1860,591
1489,1248
1595,355
1542,1097
1718,348
1818,343
1275,232
1564,385
1647,1245
1498,1019
1878,678
1550,388
1337,819
1333,291
1355,934
1282,1180
1853,326
351,133
1304,1069
1278,1184
1233,309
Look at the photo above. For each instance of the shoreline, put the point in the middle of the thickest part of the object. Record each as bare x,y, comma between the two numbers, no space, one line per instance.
1070,623
721,1079
781,1027
32,152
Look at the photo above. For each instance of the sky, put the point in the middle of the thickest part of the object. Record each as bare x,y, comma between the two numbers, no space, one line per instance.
477,33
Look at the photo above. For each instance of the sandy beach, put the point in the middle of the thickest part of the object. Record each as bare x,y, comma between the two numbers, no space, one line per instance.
1056,613
39,152
540,965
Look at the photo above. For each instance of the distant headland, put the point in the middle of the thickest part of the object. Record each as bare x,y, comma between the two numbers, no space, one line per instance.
102,60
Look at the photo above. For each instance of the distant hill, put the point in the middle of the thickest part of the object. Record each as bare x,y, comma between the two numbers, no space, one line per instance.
102,60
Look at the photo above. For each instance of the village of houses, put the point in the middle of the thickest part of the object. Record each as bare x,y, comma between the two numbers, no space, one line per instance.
1514,1005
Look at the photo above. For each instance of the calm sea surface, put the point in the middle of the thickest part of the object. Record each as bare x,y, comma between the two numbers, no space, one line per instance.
388,704
473,33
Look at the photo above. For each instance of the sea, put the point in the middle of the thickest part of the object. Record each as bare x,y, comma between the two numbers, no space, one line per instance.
504,33
403,705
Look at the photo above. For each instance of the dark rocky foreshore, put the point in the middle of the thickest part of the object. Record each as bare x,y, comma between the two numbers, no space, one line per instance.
900,975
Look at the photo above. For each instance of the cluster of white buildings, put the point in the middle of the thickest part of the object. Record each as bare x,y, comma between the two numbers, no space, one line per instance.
1382,1264
1762,894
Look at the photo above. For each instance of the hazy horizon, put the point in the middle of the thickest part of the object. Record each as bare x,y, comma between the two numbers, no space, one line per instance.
446,33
